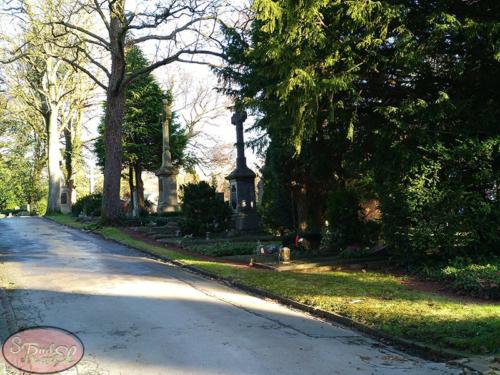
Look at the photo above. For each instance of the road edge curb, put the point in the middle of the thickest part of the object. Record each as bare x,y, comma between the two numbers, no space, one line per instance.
414,348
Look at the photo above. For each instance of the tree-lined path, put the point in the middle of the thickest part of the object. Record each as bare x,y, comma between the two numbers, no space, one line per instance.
139,316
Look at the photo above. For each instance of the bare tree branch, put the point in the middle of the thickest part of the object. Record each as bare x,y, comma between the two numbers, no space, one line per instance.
77,66
82,30
169,60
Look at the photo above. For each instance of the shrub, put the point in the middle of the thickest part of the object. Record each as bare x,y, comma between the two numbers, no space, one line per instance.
481,280
475,278
40,207
348,225
203,211
444,204
355,252
89,205
225,248
13,211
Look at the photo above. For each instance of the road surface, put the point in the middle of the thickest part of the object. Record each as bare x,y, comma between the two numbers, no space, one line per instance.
139,316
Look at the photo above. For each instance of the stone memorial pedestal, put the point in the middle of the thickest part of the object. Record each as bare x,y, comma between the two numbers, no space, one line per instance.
167,174
167,186
242,184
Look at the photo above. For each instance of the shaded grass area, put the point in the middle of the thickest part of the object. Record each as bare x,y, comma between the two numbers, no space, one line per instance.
224,248
378,300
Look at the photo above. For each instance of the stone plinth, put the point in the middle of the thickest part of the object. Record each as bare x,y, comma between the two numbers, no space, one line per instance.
167,186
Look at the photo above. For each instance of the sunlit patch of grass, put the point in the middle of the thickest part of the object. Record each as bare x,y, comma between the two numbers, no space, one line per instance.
378,300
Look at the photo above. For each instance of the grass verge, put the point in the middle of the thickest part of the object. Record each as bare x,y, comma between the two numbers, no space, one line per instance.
67,220
377,300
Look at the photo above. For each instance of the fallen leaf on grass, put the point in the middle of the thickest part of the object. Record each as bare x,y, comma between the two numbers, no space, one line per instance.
393,357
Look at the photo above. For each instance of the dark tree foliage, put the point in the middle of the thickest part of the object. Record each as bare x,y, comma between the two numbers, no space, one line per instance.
89,205
276,209
342,213
295,75
437,166
399,98
203,210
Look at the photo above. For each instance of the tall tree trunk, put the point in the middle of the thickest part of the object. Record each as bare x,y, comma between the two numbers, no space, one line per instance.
54,157
132,188
68,160
111,206
39,154
140,187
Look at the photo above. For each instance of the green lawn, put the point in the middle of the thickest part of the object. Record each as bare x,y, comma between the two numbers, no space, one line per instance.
68,220
377,300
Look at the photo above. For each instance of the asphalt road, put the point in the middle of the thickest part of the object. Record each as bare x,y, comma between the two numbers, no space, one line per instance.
139,316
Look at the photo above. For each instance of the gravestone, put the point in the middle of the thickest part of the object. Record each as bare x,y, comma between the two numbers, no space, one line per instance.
242,184
167,174
66,200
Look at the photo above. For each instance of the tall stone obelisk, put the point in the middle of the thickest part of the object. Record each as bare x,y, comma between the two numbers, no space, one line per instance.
167,174
242,182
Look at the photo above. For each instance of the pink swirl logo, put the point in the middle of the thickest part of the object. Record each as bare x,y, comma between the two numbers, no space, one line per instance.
43,350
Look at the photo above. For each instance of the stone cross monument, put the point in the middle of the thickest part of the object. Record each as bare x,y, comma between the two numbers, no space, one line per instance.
242,183
167,174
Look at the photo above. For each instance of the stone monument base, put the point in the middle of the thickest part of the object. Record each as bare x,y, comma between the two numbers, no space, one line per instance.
167,200
246,222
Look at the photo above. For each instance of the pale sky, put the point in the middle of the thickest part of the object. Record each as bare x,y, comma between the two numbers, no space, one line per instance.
215,131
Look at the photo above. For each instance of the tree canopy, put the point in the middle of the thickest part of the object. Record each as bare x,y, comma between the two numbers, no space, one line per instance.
393,101
142,126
